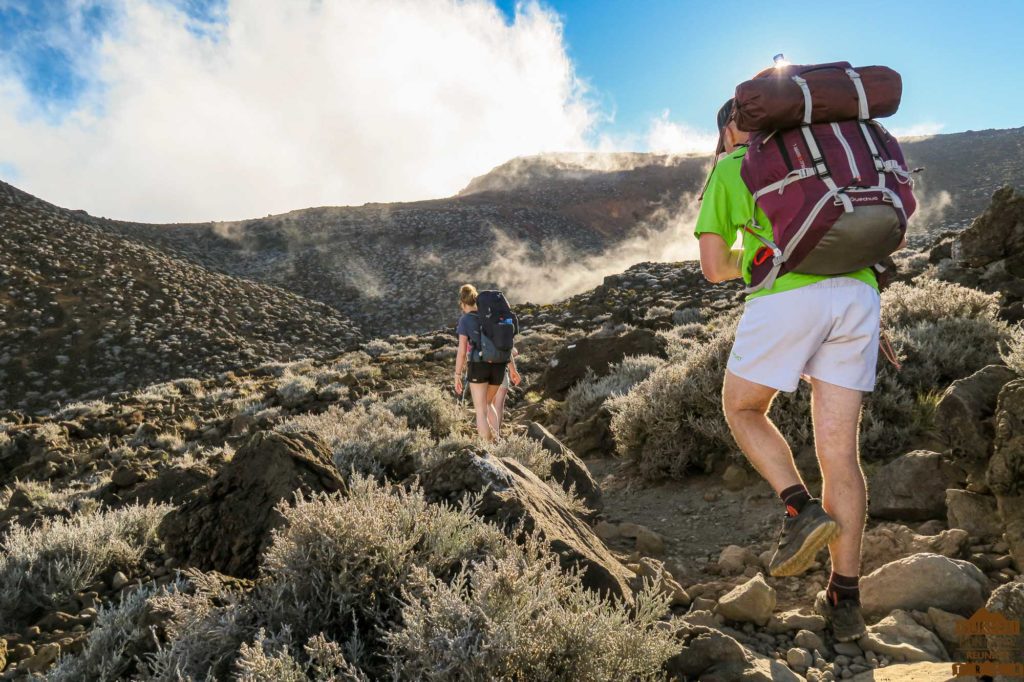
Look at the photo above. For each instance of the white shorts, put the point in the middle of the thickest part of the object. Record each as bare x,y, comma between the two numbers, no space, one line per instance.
827,330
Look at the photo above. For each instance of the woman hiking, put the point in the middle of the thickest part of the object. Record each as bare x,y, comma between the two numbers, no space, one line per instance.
485,378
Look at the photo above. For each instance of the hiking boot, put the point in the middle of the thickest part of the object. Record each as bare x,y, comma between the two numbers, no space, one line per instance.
801,539
844,617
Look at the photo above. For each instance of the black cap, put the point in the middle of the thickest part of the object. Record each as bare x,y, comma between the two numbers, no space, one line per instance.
724,116
725,113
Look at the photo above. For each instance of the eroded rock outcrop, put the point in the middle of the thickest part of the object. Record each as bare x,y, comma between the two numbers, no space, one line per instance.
596,353
226,525
510,494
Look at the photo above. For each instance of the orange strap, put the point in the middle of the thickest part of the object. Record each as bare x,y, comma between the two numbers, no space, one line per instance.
887,350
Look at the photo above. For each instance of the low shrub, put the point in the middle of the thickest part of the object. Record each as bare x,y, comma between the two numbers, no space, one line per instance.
672,421
519,617
928,299
43,566
295,389
526,451
271,659
116,641
90,409
1013,355
204,626
426,406
369,439
339,563
588,394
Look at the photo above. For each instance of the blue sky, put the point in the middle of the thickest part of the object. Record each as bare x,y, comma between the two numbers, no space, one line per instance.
962,62
169,110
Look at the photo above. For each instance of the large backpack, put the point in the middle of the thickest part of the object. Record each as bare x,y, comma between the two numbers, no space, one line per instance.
837,192
498,327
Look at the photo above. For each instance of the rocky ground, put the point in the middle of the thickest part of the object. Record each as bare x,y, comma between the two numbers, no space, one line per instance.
212,457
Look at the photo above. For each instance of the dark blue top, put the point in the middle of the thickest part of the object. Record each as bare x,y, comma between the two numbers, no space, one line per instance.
469,326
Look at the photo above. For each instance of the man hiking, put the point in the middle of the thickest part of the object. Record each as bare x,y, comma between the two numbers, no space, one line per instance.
823,329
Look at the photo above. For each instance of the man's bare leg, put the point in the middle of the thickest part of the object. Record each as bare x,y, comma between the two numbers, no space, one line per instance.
836,415
807,527
835,412
746,407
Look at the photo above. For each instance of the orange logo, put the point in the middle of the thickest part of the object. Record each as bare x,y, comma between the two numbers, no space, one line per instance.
991,643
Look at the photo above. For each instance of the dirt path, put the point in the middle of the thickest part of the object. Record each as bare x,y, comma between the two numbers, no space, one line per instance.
698,518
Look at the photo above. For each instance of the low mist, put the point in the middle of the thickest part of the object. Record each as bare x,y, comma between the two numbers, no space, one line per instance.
560,272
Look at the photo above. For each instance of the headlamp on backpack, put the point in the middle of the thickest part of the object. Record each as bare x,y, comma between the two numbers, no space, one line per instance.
780,60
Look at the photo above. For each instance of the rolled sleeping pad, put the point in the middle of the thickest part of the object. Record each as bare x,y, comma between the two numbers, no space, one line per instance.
774,101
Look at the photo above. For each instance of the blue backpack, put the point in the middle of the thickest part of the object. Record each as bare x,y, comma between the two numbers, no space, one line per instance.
497,329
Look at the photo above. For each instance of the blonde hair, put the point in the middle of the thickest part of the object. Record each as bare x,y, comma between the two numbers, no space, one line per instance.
467,294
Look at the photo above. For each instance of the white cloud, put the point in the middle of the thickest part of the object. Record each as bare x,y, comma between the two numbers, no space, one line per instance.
663,136
285,105
926,129
678,138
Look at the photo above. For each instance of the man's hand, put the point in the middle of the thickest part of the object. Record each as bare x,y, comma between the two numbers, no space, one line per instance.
458,384
717,261
514,375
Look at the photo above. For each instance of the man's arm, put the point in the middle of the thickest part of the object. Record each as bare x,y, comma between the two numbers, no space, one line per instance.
717,261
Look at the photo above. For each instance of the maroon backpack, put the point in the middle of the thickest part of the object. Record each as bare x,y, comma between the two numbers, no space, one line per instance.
838,193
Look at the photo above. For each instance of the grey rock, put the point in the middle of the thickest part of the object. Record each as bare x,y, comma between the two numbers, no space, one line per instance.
924,580
1008,602
913,487
225,525
973,512
568,469
965,409
901,638
751,602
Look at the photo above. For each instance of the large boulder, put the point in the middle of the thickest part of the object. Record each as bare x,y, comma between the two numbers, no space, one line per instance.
510,495
1006,468
568,469
890,541
997,233
226,525
972,512
902,638
913,487
922,581
596,353
963,414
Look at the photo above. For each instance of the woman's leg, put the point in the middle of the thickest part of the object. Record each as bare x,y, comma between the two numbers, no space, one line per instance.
499,408
493,420
481,403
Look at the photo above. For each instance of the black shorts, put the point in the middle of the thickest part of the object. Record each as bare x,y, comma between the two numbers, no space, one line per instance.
492,373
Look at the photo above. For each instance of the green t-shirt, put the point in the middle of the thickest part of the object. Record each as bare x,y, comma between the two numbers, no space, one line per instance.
727,207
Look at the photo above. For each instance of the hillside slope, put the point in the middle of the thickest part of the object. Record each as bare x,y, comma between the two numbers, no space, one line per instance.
86,312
